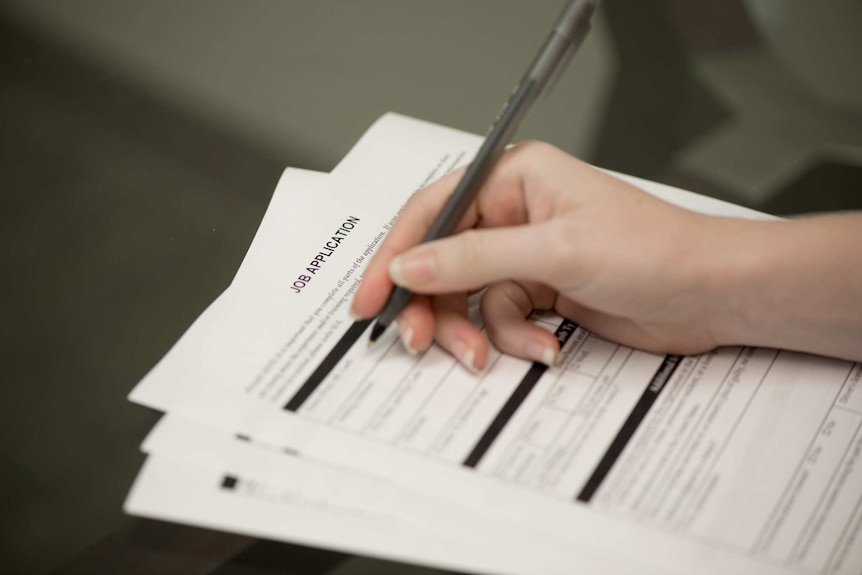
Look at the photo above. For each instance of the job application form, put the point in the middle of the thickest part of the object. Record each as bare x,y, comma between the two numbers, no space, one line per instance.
740,459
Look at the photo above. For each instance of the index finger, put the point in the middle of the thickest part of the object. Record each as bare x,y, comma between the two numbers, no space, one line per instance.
409,229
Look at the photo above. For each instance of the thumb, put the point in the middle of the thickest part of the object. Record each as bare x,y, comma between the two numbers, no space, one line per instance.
474,258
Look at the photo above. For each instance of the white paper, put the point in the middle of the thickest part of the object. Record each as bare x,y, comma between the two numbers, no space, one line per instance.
715,477
188,481
268,493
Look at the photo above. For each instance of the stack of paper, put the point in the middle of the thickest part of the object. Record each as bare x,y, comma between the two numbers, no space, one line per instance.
281,422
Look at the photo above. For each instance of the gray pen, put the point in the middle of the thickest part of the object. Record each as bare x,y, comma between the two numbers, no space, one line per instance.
569,31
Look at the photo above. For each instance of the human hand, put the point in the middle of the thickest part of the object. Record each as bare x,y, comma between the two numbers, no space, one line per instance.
546,231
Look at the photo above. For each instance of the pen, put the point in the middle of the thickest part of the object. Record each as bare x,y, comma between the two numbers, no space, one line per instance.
565,38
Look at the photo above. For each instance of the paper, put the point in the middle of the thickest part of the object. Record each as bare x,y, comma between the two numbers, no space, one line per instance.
741,460
270,494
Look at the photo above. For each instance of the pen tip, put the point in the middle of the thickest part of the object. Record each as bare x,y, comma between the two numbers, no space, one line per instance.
376,332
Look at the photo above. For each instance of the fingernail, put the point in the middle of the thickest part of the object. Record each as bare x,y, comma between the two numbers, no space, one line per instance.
412,270
355,316
406,334
541,353
465,355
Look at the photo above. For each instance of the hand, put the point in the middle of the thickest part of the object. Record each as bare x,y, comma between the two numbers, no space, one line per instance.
546,231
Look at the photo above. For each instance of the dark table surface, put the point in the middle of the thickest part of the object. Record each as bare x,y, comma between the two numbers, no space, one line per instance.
126,214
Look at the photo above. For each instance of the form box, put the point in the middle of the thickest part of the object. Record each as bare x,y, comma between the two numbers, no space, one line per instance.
545,426
851,394
592,356
568,391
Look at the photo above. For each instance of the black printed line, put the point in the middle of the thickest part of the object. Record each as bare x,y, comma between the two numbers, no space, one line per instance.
353,333
650,394
564,331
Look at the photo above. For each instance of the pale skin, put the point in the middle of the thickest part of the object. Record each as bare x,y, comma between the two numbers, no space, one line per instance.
548,231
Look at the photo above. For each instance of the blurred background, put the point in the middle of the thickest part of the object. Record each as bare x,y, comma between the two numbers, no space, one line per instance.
140,143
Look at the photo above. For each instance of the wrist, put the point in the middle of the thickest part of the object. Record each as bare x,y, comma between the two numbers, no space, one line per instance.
732,257
788,284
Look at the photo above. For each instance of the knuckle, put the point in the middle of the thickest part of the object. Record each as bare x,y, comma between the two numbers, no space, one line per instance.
528,150
419,202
